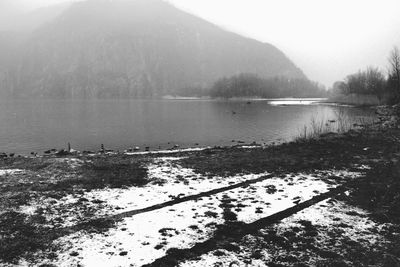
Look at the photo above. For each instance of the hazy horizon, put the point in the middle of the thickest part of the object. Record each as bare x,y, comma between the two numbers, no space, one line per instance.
326,40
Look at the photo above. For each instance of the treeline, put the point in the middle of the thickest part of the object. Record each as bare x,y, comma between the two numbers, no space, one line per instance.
250,85
372,81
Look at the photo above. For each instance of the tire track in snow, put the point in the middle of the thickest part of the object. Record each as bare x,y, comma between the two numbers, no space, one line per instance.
238,230
119,216
191,197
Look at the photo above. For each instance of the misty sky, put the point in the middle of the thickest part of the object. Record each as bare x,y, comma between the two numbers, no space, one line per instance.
327,39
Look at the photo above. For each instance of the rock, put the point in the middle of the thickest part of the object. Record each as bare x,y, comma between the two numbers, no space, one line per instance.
211,214
231,247
219,253
62,152
123,253
257,254
329,134
396,109
159,246
74,254
229,215
271,189
328,254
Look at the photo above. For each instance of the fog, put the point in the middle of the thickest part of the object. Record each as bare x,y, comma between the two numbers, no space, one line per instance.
326,39
22,15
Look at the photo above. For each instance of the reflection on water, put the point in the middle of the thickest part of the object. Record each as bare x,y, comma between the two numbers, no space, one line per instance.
27,126
294,101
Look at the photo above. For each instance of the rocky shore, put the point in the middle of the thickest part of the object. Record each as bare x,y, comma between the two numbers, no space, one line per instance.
327,201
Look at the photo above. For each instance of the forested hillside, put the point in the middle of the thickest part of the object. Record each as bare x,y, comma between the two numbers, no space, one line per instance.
250,85
141,48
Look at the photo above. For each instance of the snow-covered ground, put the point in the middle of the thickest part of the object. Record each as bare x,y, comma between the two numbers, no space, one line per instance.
146,236
347,222
168,181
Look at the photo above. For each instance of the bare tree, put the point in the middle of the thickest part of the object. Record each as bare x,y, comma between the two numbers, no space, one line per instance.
394,72
375,82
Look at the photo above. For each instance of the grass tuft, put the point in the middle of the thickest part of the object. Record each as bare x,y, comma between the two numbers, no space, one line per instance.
341,124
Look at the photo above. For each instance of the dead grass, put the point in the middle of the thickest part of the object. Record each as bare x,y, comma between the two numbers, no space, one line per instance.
380,192
101,173
340,124
20,234
123,172
357,100
48,175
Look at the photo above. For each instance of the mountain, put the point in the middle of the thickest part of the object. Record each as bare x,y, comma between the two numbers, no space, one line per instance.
14,20
138,48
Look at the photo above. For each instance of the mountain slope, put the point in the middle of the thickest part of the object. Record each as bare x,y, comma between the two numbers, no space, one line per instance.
139,48
25,22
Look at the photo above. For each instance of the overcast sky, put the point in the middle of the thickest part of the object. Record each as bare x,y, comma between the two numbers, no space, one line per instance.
327,39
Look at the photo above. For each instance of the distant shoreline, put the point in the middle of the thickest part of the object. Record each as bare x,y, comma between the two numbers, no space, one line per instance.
243,98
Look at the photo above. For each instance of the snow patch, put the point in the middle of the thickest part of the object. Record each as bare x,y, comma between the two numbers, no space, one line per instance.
72,162
11,171
171,151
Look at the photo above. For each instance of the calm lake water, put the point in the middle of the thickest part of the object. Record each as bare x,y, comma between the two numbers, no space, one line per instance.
39,125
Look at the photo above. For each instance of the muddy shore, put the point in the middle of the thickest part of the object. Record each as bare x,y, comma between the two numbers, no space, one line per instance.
295,204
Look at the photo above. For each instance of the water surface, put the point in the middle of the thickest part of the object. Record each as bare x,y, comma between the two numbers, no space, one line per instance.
39,125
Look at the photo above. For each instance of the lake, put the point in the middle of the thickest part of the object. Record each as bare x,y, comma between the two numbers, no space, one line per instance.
39,125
